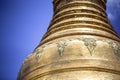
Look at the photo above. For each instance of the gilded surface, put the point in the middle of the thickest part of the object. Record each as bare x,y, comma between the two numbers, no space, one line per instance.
77,75
79,15
99,2
77,48
80,4
64,2
80,44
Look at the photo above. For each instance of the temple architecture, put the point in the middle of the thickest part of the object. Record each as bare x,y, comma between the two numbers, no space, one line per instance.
80,44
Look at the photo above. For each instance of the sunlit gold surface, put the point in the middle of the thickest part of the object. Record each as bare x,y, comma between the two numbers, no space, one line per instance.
80,44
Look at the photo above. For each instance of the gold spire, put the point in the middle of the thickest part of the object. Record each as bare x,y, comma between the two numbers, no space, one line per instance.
74,14
80,44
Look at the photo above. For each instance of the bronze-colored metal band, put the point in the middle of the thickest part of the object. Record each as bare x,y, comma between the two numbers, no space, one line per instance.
71,68
85,22
56,20
111,69
80,4
95,2
56,1
76,69
79,26
103,3
79,11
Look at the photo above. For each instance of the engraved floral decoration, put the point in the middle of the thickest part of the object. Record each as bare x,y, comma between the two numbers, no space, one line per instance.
39,52
90,43
116,48
61,45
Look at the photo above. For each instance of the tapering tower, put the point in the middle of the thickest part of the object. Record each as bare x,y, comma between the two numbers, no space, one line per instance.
80,44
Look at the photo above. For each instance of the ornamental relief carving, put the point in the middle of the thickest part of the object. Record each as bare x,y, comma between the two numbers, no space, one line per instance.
90,43
61,46
116,48
39,51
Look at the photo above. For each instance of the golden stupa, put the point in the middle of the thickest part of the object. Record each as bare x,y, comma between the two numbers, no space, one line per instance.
80,44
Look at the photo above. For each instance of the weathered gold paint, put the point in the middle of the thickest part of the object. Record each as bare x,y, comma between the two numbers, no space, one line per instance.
80,44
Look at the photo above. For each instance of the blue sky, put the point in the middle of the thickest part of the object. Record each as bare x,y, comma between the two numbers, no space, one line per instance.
22,25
